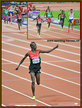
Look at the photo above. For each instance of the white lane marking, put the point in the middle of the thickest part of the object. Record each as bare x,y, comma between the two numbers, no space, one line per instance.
45,61
44,40
25,95
44,54
41,45
3,105
43,85
54,25
43,72
53,34
25,105
42,61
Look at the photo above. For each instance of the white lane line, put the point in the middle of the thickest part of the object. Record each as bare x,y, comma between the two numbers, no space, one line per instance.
3,105
61,61
54,76
44,54
42,85
25,95
54,26
42,61
24,105
44,40
52,34
42,45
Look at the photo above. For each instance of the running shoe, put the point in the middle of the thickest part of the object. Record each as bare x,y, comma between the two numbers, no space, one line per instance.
38,35
68,30
61,29
25,33
33,97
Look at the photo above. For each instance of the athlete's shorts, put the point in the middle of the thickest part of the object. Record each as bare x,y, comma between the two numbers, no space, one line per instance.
38,71
62,20
10,13
35,68
5,16
38,25
35,71
70,20
19,20
49,19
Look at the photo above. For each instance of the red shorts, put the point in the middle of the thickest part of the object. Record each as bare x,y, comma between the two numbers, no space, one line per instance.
49,19
5,16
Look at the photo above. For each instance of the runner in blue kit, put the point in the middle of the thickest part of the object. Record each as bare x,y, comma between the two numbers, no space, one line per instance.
35,62
71,19
11,10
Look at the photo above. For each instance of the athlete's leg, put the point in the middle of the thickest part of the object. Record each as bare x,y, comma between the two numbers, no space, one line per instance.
18,25
62,24
38,78
72,25
69,26
49,21
32,74
4,20
39,29
7,20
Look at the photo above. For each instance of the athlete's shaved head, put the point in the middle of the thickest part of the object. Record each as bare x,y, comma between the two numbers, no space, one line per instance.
38,16
33,45
71,10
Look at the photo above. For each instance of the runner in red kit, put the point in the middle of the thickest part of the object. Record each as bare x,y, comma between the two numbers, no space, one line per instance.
35,61
39,23
19,20
62,17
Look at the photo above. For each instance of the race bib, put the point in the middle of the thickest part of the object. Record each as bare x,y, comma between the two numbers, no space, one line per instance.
6,12
19,18
62,17
39,22
36,60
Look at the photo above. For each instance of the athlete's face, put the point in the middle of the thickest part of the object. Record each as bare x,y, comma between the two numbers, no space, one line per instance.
62,11
71,11
33,46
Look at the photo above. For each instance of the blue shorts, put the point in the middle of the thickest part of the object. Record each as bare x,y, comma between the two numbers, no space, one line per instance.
70,20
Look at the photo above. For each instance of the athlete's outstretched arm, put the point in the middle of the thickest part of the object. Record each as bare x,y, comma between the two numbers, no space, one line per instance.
27,54
51,14
58,16
42,51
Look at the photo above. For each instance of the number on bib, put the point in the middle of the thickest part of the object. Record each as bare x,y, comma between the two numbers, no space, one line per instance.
35,60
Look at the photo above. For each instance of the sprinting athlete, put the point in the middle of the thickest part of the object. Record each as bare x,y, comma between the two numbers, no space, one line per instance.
49,15
19,20
71,19
6,15
35,61
11,10
62,17
17,9
39,23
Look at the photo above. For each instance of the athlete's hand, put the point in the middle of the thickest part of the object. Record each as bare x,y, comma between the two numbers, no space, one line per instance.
17,68
56,46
